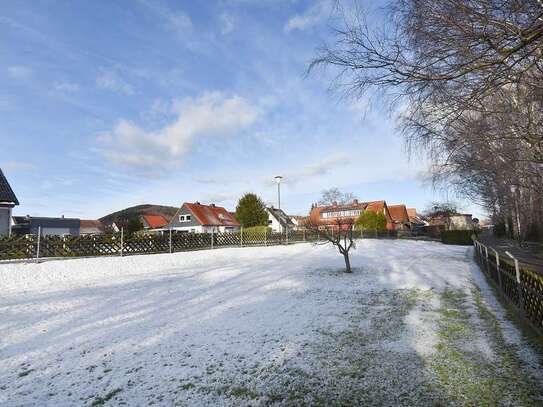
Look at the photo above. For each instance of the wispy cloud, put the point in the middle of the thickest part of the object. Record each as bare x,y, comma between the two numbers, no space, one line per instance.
110,79
317,169
19,71
314,15
177,21
228,23
66,87
213,114
19,166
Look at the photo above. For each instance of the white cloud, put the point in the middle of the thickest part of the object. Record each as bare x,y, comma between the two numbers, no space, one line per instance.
19,71
111,80
219,198
153,152
228,23
66,87
311,17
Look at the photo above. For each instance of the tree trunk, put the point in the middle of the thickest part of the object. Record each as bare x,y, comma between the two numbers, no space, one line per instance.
347,263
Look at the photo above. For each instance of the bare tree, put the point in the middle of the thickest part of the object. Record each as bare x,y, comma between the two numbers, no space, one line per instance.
334,195
469,77
338,233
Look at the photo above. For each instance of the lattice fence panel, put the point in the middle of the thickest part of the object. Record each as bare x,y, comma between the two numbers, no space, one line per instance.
17,248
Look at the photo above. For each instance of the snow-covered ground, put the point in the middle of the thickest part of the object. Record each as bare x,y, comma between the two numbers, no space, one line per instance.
414,324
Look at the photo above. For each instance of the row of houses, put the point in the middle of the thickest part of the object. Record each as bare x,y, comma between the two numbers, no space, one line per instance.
200,218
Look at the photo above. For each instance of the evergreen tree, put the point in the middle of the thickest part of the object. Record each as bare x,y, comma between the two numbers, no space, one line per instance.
251,211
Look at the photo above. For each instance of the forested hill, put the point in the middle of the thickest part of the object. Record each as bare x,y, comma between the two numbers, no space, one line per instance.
124,215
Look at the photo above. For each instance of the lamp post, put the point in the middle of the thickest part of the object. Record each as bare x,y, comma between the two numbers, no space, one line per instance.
278,179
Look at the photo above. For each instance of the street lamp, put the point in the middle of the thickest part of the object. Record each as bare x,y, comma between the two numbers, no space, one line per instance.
278,179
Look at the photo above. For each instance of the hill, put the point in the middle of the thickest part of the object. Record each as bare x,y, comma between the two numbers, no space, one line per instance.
124,215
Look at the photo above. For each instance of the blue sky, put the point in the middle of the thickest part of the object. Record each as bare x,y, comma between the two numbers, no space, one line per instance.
105,105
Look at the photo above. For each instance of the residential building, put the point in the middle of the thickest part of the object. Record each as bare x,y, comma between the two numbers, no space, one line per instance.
30,225
415,218
8,201
90,227
329,215
456,221
298,221
278,220
153,221
198,218
400,217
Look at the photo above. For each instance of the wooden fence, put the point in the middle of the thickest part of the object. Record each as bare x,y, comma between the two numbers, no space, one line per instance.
520,287
119,244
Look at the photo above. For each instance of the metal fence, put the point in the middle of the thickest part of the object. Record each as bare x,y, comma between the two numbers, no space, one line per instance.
520,287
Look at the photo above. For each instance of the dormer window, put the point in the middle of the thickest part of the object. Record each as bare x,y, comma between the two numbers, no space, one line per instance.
184,218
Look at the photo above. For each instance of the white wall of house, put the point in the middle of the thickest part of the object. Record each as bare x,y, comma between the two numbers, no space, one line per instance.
207,229
5,221
461,222
274,224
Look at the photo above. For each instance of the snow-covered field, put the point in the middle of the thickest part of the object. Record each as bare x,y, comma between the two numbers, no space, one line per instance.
415,324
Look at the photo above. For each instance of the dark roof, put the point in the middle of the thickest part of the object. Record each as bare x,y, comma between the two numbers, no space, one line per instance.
281,216
6,193
47,222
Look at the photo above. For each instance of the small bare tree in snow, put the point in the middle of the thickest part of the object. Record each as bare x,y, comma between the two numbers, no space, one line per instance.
339,233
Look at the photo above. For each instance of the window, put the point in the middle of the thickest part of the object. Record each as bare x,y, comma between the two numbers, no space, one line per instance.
187,218
181,218
270,222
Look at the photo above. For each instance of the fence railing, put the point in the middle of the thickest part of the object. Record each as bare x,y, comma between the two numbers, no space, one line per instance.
520,287
121,244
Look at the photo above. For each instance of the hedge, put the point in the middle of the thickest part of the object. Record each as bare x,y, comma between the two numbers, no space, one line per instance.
460,237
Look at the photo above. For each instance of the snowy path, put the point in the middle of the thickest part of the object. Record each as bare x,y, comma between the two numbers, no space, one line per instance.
414,324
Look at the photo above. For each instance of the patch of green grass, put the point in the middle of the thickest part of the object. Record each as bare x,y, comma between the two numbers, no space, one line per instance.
468,376
25,372
100,401
187,386
243,392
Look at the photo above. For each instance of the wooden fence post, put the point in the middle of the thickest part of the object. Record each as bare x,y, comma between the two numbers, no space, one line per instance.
38,245
170,240
212,236
519,284
498,268
286,236
241,237
122,241
266,237
486,260
303,231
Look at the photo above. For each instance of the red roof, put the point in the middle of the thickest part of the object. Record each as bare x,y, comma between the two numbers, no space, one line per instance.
212,215
315,216
155,221
398,213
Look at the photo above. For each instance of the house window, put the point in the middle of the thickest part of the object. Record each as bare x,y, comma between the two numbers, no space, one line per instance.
184,218
270,222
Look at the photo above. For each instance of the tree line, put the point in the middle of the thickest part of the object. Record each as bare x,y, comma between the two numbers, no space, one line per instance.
466,80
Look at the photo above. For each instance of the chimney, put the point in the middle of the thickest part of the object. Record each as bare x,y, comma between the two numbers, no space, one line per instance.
61,216
212,205
334,203
355,201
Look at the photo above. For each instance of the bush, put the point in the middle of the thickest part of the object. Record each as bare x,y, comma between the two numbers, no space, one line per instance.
369,220
256,230
460,237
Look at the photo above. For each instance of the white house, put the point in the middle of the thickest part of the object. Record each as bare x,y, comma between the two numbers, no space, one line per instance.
198,218
278,220
7,201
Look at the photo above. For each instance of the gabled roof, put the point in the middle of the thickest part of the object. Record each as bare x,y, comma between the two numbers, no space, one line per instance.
281,216
211,215
89,223
6,193
155,221
398,213
412,213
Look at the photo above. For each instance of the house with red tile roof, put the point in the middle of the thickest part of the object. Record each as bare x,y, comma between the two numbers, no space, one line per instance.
198,218
329,215
153,221
400,217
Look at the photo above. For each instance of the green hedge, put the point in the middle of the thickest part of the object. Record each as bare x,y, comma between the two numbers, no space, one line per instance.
460,237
